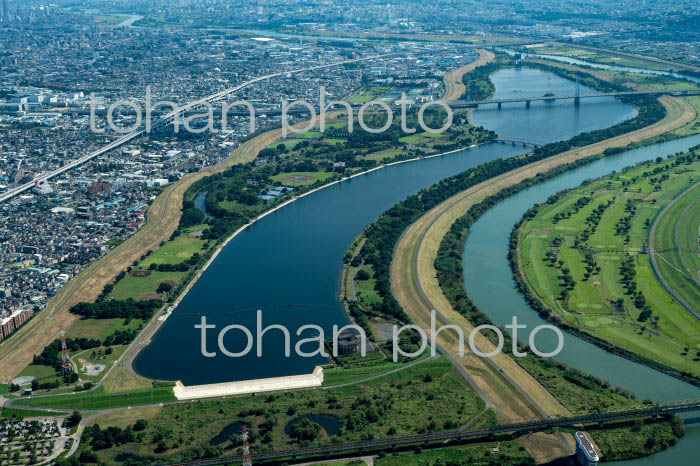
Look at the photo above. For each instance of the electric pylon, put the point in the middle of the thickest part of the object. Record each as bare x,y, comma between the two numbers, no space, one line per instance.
246,448
65,359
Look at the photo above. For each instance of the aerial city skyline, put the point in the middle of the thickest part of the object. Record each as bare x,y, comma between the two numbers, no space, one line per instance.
359,233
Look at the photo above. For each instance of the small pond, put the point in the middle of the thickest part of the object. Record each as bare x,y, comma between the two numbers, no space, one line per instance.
225,435
330,424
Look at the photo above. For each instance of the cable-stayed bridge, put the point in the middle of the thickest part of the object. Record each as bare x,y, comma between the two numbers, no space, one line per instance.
572,96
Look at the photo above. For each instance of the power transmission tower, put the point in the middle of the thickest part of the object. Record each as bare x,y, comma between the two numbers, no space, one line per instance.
246,448
65,359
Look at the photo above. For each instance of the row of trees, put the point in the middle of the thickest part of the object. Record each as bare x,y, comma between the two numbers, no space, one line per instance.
536,304
383,234
112,309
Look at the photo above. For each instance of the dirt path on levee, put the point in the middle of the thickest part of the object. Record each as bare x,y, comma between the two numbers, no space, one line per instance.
505,386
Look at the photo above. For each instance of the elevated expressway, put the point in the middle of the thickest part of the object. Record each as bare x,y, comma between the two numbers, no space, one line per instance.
160,122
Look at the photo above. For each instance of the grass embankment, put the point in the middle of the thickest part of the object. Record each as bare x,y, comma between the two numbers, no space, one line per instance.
98,399
612,57
454,80
677,246
585,254
594,56
414,279
421,398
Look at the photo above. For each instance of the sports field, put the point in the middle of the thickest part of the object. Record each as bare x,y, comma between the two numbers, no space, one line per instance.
586,255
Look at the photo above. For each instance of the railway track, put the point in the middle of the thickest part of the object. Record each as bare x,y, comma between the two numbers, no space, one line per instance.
521,428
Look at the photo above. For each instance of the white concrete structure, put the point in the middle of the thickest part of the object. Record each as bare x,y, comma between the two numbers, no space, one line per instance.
315,379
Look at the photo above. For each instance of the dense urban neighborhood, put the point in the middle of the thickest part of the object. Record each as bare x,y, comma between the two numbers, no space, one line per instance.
466,231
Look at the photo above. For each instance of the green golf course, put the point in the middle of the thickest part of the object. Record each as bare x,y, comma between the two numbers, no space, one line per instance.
585,254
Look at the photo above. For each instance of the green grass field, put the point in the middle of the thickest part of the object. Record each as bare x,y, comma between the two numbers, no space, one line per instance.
417,138
100,328
98,399
301,178
174,252
41,373
379,156
414,400
288,143
366,295
133,286
677,242
575,249
14,413
363,370
368,94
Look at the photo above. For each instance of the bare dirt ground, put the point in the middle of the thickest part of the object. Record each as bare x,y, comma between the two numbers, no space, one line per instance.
501,381
453,79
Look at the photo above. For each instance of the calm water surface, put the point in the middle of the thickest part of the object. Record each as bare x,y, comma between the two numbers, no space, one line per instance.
289,263
489,282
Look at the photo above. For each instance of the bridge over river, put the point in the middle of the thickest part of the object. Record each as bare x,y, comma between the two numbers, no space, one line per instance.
567,93
362,448
576,97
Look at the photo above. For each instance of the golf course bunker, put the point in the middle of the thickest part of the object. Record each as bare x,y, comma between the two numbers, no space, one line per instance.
330,424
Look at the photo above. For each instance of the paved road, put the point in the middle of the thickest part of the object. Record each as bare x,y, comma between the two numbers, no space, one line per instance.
124,139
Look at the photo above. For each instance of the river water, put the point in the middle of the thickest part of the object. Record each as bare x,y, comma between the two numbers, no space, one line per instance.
288,264
489,282
603,66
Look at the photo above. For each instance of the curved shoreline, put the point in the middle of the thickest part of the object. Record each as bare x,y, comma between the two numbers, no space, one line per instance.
530,295
87,285
413,270
451,88
159,319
